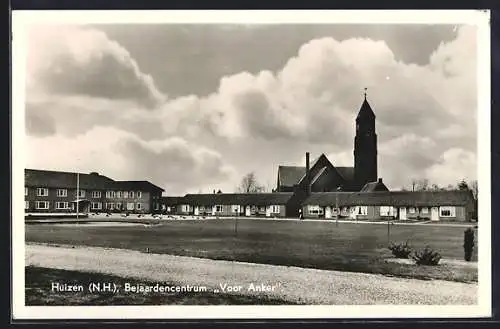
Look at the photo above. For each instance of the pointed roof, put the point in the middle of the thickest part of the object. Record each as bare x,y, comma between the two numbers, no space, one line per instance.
291,175
365,111
377,186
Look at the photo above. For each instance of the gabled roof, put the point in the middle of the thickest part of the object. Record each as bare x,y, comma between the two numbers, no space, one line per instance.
318,175
172,200
62,179
365,111
346,172
377,186
396,198
136,185
257,199
290,175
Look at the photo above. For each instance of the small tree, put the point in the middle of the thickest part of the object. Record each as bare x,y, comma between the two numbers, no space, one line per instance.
426,256
468,244
400,250
462,186
249,184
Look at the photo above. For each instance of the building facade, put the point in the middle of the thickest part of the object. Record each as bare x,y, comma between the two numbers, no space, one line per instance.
56,192
397,205
229,205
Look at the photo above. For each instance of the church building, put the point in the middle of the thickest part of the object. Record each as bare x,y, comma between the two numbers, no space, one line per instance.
323,176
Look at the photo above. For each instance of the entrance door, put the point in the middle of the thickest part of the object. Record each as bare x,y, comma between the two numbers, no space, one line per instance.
435,213
328,212
402,213
247,211
196,210
268,211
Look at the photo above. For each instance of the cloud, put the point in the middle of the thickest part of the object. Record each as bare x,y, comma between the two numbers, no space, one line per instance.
70,60
453,165
423,111
174,164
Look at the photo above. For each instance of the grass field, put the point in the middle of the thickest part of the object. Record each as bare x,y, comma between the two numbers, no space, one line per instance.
39,280
322,245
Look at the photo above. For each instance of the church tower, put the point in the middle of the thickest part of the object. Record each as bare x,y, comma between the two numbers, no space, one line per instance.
365,146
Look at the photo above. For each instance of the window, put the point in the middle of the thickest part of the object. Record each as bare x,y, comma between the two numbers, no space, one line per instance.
118,206
96,205
125,194
62,205
157,206
110,206
361,210
424,210
62,193
314,210
138,206
130,206
131,194
81,193
26,205
139,194
386,211
235,208
275,209
110,194
411,210
447,211
218,208
42,205
119,194
42,192
25,191
96,194
262,209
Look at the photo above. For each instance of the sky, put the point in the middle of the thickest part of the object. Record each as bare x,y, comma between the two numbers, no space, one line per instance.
193,108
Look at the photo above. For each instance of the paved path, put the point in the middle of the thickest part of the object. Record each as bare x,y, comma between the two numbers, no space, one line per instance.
309,286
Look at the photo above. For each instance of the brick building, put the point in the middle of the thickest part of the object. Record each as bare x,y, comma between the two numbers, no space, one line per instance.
48,191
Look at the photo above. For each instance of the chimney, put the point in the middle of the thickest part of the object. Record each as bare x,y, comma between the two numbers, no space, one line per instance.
380,180
308,178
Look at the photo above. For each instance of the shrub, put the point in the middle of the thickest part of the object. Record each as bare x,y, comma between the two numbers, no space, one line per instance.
427,256
468,244
400,250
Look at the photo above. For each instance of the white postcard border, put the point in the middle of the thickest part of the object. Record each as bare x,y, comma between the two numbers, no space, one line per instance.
20,19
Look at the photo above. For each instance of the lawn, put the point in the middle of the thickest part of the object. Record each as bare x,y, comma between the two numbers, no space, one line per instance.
322,245
39,281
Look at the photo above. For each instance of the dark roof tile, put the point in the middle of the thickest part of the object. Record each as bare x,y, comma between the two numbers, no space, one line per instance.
290,175
377,186
62,179
257,199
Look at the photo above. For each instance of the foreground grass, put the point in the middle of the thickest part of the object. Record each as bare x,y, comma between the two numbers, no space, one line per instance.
322,245
39,280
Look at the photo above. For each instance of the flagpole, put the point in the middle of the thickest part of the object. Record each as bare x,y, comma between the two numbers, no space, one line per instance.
77,194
